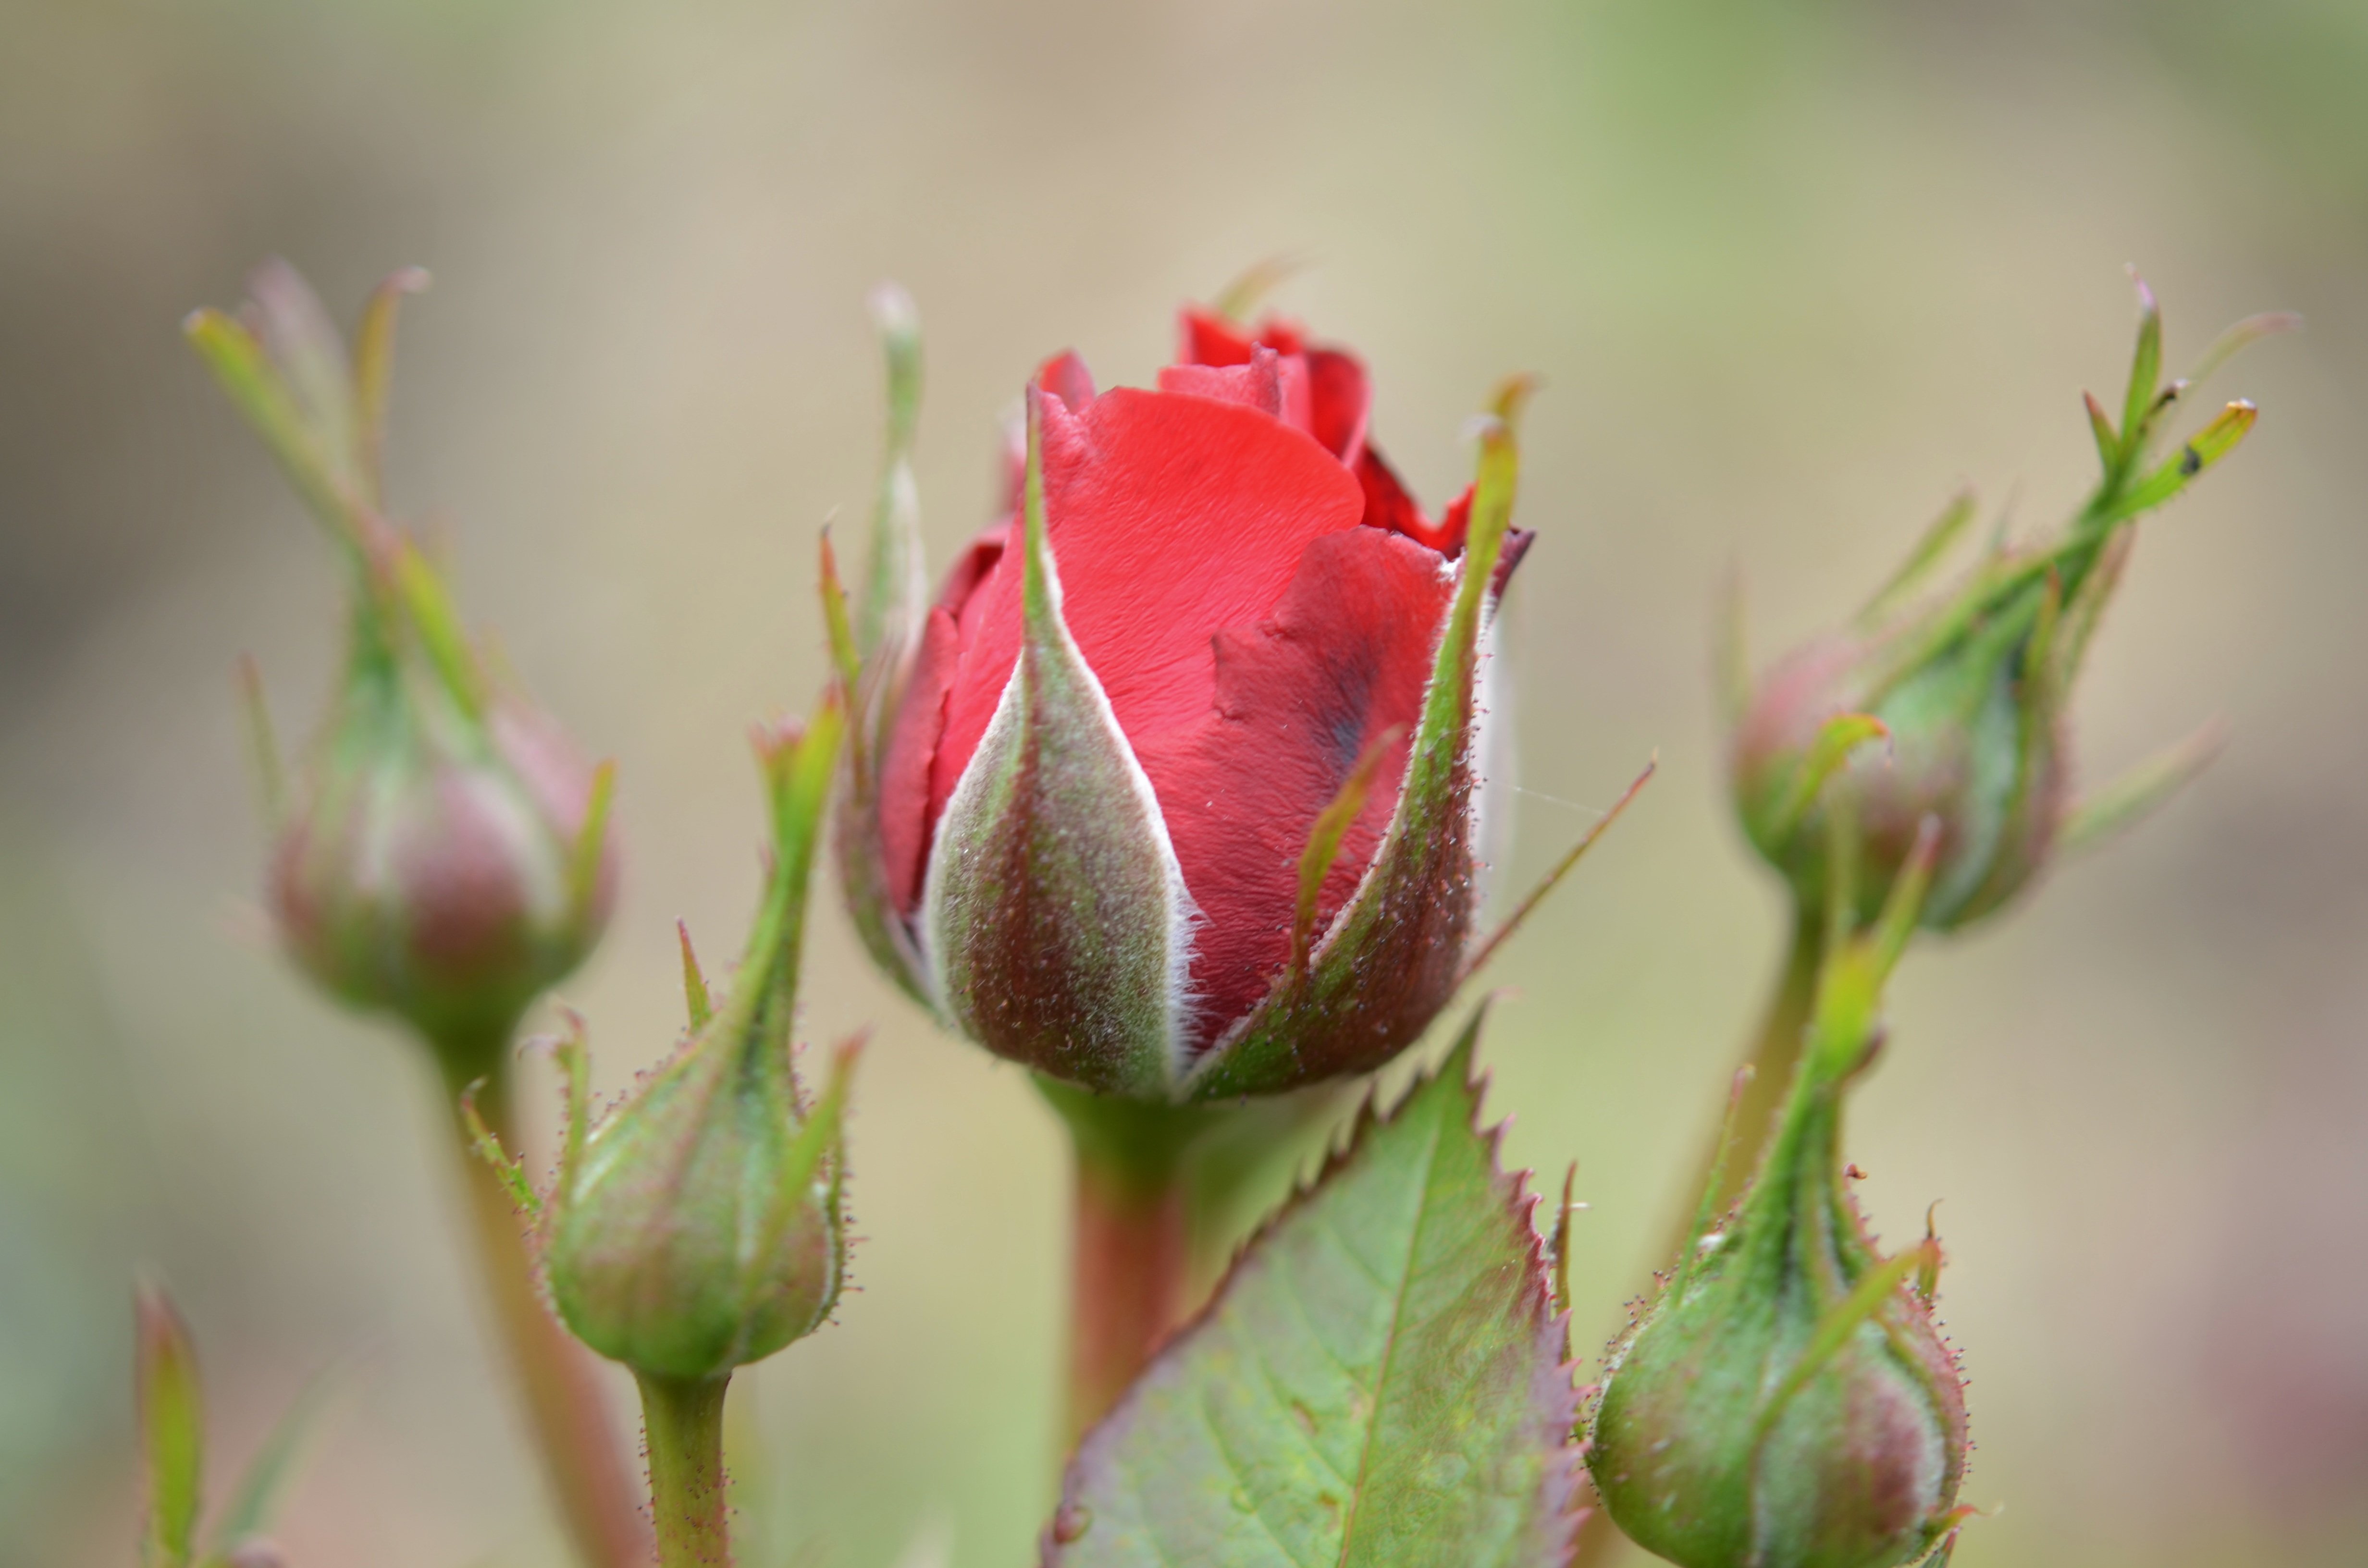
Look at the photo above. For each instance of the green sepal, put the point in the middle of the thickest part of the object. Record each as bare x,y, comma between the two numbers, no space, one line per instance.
1055,917
700,1227
374,377
2145,374
172,1430
1379,1380
1939,537
2120,805
256,1499
2206,447
871,646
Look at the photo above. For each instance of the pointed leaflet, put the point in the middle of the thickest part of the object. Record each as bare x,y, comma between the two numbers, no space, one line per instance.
1380,1381
1053,894
1393,955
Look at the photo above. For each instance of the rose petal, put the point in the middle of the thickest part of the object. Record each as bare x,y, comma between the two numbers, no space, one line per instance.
920,721
1340,400
1346,654
1171,518
1273,383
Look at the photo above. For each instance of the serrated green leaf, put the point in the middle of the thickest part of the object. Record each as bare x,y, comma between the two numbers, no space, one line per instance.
1380,1381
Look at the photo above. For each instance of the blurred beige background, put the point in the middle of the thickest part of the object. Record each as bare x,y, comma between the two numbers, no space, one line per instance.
1790,270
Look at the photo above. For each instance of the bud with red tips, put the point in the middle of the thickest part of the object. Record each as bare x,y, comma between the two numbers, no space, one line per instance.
1171,794
443,854
1787,1402
1971,684
697,1227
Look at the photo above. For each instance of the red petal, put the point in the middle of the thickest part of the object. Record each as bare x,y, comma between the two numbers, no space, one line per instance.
1065,377
1339,394
1206,339
1272,383
1388,506
1340,400
1171,518
905,814
1346,654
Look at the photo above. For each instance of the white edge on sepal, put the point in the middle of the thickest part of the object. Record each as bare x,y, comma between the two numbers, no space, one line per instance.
1495,758
1183,913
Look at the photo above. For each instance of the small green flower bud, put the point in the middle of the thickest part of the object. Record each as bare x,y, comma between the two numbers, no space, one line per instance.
1787,1401
697,1227
443,855
443,865
1971,683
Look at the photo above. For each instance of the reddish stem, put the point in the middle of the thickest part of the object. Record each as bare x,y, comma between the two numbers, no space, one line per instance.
1128,1282
1132,1258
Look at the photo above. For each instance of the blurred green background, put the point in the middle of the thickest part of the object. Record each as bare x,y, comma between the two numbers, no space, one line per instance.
1791,272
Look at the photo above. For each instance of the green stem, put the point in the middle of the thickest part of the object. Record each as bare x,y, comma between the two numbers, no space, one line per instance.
1130,1260
557,1377
683,1418
1774,1057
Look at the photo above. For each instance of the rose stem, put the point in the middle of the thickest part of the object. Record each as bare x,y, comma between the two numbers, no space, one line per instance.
564,1405
683,1418
1131,1262
1126,1287
1775,1053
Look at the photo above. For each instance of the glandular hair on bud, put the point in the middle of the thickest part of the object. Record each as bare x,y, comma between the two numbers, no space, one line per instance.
1787,1401
697,1227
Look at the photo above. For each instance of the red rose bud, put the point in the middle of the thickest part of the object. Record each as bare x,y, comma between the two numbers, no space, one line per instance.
1787,1401
1971,684
697,1227
1170,795
444,854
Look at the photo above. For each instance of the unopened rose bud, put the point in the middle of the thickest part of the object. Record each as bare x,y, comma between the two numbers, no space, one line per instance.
697,1227
443,853
1971,683
1171,793
1786,1401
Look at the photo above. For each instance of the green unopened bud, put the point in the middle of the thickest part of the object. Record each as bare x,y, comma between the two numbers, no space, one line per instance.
1971,683
1787,1402
697,1227
443,854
